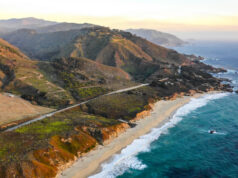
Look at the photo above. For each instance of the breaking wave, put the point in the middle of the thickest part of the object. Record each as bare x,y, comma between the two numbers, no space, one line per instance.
127,159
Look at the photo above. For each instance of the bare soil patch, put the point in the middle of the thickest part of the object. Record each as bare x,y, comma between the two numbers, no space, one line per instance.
15,109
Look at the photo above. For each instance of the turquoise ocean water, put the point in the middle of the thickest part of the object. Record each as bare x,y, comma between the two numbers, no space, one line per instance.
183,147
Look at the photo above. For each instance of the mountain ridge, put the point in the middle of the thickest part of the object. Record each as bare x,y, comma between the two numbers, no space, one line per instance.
110,47
64,26
18,23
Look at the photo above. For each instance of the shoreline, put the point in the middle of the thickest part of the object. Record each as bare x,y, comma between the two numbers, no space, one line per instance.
90,163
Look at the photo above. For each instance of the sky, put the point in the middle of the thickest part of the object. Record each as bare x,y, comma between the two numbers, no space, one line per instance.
186,18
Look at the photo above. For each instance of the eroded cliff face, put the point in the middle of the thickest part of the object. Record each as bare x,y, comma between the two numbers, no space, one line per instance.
144,113
63,151
106,134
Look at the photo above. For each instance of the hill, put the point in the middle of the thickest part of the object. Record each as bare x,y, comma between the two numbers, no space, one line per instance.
157,37
136,56
57,83
22,76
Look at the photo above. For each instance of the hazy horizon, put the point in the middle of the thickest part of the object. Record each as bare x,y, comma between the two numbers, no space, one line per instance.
207,20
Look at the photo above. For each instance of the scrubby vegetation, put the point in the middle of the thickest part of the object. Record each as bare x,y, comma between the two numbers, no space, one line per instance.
124,106
90,92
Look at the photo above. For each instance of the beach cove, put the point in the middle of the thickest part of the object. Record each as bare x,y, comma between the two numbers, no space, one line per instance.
161,114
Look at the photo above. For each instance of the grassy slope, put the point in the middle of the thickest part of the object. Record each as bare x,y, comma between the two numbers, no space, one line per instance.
84,78
23,76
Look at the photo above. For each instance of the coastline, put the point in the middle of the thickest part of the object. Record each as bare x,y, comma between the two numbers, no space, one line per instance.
90,163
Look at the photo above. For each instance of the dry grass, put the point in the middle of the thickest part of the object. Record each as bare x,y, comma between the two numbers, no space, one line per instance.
14,108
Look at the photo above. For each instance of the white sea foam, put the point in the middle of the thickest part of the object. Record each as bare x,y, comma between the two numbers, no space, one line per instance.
127,158
210,59
231,71
220,133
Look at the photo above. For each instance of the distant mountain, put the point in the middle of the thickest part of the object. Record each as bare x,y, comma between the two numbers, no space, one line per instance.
4,30
40,25
30,22
44,26
136,56
157,37
42,46
63,27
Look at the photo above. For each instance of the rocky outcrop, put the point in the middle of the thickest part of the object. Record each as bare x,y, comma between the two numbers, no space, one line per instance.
194,58
106,134
187,79
143,114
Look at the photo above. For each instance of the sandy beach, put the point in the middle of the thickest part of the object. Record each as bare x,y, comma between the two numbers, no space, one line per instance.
90,163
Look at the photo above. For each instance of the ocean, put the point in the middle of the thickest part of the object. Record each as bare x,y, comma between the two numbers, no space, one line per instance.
183,147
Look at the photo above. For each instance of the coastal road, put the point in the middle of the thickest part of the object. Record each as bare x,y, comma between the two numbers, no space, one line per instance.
73,106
